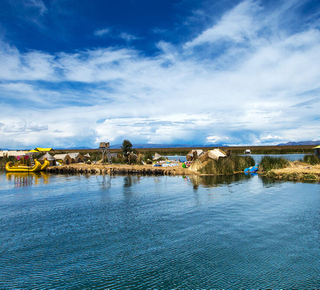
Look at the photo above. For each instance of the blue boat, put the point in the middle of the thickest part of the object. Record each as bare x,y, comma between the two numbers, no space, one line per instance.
251,169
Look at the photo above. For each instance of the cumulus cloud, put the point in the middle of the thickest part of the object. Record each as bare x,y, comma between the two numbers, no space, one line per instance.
23,126
257,94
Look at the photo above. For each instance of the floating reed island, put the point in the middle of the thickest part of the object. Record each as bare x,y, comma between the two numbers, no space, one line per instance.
119,169
296,171
306,170
221,166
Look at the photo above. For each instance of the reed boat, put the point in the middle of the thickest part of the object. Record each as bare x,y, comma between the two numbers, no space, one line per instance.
23,168
45,165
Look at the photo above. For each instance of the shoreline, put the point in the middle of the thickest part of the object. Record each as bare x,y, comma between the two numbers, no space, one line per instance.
112,169
296,171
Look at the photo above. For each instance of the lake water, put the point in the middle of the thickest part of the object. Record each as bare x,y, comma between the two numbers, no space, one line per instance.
131,232
291,157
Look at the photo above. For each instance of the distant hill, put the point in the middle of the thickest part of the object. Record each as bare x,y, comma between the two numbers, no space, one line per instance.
300,143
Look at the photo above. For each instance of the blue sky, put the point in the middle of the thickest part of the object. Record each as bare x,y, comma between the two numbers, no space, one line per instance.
75,73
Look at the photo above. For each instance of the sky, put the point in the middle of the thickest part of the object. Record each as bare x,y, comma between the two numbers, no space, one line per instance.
74,73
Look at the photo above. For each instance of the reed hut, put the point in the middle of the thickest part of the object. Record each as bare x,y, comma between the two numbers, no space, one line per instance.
194,154
317,151
76,157
216,154
49,157
63,158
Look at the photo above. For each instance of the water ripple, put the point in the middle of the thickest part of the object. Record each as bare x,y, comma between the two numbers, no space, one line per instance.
148,233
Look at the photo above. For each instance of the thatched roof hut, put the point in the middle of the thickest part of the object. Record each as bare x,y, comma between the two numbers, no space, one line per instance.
63,158
194,154
49,157
76,157
215,154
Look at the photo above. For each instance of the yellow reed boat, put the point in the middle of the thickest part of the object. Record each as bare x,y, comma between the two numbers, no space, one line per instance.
45,165
23,168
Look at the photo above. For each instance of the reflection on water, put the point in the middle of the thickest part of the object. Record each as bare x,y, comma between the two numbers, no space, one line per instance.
27,178
216,180
105,184
130,180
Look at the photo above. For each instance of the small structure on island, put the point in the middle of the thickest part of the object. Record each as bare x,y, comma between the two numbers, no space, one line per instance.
76,157
317,151
63,158
216,154
3,153
194,154
49,157
104,148
86,157
247,152
156,157
16,153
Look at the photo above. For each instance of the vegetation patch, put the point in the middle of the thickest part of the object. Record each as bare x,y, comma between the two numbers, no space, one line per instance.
4,160
268,162
227,166
293,176
311,159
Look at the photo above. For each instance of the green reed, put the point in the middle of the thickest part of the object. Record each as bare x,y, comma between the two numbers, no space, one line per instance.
268,162
228,165
311,159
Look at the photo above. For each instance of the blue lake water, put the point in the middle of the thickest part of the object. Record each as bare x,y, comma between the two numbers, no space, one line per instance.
131,232
291,157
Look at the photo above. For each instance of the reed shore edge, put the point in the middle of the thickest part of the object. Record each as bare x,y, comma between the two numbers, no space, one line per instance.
299,172
119,169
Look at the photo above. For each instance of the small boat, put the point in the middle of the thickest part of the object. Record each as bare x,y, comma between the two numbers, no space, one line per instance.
45,165
252,169
23,168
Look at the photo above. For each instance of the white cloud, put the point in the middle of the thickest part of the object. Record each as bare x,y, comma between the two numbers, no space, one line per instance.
22,127
241,96
128,37
237,25
36,4
102,32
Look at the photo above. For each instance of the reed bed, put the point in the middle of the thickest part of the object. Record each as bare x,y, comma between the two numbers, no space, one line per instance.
268,162
311,159
227,166
4,160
